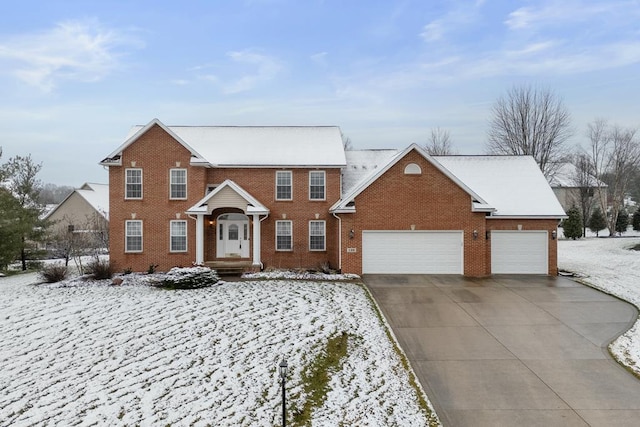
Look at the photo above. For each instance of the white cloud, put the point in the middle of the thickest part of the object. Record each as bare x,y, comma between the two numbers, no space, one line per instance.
72,50
252,68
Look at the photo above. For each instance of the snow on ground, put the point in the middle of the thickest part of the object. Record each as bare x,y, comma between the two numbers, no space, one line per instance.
139,355
610,265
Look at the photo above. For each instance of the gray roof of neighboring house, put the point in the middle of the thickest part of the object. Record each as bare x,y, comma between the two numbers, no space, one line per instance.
566,176
97,195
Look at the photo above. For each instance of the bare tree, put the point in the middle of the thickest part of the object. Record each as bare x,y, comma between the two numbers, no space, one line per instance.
531,121
439,143
615,153
346,142
584,180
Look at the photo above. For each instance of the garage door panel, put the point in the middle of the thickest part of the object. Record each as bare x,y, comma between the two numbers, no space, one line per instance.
519,252
412,252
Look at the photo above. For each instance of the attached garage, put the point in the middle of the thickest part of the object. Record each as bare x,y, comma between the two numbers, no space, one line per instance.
412,252
519,252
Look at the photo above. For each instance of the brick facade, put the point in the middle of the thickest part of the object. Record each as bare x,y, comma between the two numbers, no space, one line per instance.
156,152
430,200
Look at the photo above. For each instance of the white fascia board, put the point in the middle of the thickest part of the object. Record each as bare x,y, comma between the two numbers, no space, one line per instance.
395,159
118,151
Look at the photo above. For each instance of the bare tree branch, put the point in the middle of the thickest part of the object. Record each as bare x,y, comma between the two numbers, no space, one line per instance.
439,143
531,121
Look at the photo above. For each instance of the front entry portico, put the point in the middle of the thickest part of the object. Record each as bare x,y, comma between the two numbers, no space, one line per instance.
236,232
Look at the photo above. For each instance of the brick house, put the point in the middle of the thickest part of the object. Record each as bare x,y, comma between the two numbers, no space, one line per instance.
291,197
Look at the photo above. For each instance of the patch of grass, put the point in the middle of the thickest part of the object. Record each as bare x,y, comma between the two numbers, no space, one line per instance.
432,418
635,248
315,381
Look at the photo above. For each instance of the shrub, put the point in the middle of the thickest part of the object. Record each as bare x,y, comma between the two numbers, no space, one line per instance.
189,278
152,268
636,220
52,273
622,222
597,221
100,269
572,226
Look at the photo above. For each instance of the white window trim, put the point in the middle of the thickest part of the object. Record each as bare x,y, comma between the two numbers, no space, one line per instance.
291,235
141,184
324,186
126,236
186,238
324,235
290,173
186,181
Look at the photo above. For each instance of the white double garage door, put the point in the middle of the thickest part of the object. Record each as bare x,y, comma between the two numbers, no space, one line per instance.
442,252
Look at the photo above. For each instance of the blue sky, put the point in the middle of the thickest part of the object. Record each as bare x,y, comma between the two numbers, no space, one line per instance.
76,75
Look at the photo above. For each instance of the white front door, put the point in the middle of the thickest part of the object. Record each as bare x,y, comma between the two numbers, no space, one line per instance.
232,236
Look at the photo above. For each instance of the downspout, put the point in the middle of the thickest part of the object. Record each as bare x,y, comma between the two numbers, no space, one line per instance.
339,241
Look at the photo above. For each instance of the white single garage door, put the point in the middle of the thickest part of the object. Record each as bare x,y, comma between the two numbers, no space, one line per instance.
412,252
519,252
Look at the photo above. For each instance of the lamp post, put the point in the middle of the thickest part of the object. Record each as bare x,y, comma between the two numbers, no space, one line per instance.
283,376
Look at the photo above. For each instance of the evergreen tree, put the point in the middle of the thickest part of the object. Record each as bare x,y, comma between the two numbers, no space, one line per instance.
622,223
572,226
636,219
597,221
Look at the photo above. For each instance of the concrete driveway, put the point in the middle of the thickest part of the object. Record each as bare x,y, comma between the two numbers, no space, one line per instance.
512,350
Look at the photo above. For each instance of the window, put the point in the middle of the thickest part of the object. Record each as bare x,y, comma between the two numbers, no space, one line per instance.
317,236
178,236
133,185
283,185
133,236
283,236
316,185
178,184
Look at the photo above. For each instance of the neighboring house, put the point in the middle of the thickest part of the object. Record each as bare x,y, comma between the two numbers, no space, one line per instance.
291,197
569,189
85,210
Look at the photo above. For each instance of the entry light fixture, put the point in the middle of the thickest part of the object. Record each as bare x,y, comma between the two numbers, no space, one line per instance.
352,233
554,234
475,234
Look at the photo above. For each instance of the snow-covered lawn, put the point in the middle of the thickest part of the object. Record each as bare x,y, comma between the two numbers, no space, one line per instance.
138,355
610,265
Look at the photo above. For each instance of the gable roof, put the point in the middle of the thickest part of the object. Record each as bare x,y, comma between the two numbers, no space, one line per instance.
513,185
250,146
343,205
253,205
96,195
566,176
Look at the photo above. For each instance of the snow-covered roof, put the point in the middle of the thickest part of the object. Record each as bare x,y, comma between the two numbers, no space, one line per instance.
97,195
344,204
567,176
252,146
513,185
253,205
363,163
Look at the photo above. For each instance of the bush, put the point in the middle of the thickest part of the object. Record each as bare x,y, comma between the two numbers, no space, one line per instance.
622,222
189,278
597,221
572,226
636,220
52,273
100,269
